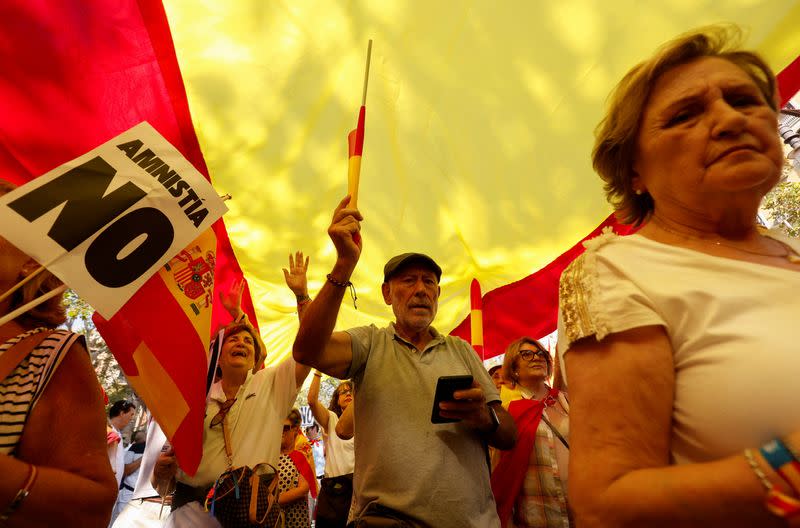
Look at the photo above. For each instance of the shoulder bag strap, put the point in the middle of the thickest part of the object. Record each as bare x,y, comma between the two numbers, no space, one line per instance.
18,352
227,437
555,431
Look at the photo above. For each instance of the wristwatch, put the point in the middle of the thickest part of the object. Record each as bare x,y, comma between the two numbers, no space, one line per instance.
494,418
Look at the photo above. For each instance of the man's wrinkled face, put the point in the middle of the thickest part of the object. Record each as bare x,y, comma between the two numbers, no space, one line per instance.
413,294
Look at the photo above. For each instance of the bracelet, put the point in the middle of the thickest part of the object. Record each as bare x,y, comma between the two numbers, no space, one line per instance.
782,461
762,477
23,492
776,502
795,454
336,282
347,284
302,301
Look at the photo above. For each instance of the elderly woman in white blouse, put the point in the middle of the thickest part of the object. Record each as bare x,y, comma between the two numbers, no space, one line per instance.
680,342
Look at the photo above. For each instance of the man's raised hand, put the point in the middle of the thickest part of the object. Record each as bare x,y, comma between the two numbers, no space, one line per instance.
345,232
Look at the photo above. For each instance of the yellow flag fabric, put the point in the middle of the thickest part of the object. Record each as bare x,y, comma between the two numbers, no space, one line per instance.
479,135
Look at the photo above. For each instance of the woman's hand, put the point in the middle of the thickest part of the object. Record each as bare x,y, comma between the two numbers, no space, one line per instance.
296,278
232,299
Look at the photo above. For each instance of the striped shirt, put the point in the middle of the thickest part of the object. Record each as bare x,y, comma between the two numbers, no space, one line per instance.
20,391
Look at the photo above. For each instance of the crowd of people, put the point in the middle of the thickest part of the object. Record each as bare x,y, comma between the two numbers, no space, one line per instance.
667,403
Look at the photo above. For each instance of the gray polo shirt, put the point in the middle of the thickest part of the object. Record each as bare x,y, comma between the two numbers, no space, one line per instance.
435,473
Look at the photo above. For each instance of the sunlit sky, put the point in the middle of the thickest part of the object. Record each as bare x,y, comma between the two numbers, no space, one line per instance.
479,128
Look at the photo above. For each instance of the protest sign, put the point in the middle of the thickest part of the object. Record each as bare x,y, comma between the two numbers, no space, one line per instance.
106,221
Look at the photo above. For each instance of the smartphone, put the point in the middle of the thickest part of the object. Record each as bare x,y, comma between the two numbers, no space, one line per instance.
445,388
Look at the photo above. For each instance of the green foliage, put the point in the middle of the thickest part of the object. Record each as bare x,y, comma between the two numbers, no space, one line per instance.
109,373
326,388
783,204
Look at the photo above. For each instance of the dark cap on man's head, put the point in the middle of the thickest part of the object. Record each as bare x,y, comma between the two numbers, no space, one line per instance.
399,262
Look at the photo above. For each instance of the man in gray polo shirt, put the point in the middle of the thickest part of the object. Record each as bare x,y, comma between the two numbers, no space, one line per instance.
432,474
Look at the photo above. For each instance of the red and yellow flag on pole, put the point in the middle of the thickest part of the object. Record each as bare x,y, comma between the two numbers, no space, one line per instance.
355,141
476,318
355,144
165,358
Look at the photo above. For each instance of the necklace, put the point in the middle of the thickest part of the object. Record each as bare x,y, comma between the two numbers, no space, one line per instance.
788,253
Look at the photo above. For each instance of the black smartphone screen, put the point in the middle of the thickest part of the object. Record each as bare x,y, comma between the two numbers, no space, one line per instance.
445,388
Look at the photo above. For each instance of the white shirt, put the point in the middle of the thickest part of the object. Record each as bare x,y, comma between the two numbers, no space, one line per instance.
339,454
254,421
116,455
733,327
152,449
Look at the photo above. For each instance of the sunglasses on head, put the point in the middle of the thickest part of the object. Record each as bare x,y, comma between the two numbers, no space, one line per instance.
528,355
286,428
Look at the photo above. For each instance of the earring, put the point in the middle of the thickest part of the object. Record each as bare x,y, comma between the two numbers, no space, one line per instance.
638,192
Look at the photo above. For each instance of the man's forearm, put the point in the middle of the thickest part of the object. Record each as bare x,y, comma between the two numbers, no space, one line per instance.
319,320
133,466
505,437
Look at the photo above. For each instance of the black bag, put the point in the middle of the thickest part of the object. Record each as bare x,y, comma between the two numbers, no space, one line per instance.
333,502
243,499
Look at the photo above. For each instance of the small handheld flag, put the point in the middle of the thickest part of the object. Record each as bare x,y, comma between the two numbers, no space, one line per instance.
355,141
476,317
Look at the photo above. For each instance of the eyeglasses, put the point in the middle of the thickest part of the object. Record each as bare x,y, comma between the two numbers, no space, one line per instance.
528,355
345,392
223,410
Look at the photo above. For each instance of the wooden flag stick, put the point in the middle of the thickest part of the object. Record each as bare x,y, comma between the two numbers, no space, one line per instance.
20,284
366,74
25,307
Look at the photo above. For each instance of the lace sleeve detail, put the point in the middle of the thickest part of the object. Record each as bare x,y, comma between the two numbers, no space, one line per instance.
578,291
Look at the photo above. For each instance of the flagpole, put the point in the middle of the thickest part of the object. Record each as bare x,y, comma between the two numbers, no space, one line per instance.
23,282
20,284
355,140
366,74
25,307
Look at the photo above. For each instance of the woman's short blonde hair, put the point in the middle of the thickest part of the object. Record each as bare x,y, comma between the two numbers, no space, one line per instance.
616,135
52,312
512,355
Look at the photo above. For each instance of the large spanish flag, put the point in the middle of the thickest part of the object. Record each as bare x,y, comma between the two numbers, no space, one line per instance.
527,307
76,73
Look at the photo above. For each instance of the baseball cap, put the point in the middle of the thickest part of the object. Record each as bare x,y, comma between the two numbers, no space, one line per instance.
395,264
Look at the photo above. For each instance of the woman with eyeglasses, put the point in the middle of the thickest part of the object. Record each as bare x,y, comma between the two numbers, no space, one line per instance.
336,492
296,476
530,481
247,401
